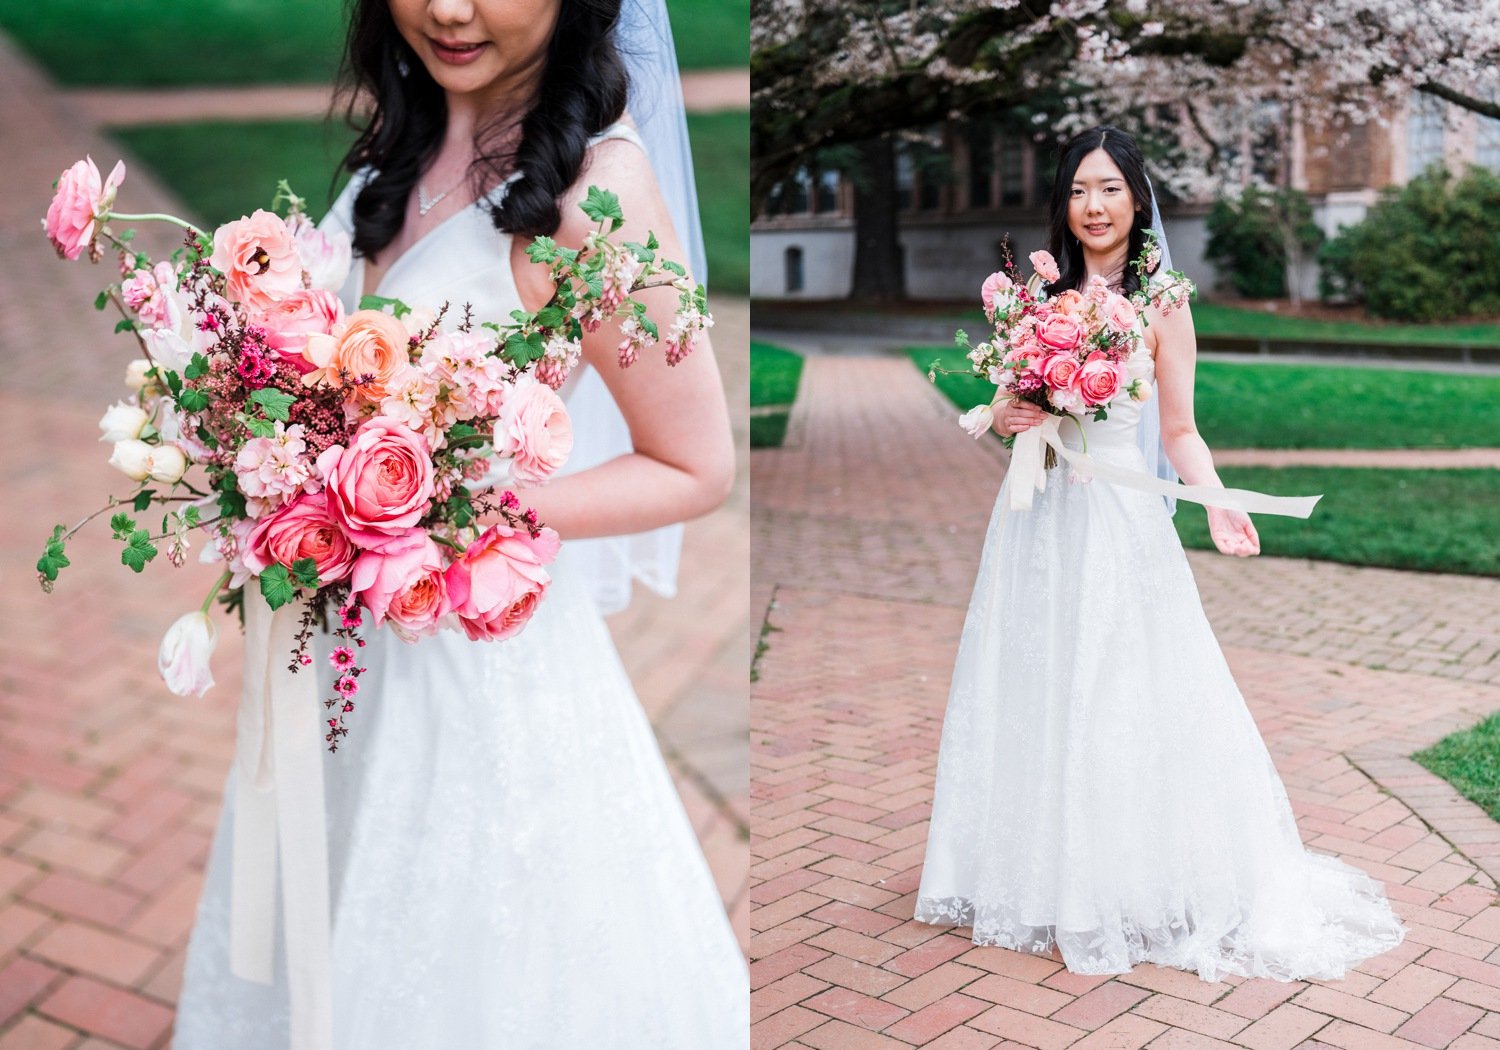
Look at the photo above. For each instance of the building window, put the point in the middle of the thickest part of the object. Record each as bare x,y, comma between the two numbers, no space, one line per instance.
906,180
796,278
1012,174
827,192
1424,134
981,167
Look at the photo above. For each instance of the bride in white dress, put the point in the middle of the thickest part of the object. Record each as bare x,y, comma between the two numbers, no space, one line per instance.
1101,788
510,865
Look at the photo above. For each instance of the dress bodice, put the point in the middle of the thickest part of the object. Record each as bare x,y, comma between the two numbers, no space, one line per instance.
1118,429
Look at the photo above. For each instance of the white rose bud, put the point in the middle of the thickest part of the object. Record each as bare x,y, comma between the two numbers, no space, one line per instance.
185,652
122,422
168,463
977,420
135,374
132,458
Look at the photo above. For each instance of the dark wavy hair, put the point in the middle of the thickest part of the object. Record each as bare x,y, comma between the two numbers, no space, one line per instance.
1065,247
583,90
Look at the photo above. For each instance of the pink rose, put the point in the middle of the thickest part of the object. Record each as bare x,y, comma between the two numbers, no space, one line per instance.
1100,379
381,485
1058,369
81,203
404,584
1119,313
1045,265
534,430
1060,332
288,322
998,287
258,259
495,585
302,528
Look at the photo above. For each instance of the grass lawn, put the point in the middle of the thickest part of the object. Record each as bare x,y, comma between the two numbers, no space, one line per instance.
1470,761
774,375
226,169
1309,406
1220,319
131,43
1433,520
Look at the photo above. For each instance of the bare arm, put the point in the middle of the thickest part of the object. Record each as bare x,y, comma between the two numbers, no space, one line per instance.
683,461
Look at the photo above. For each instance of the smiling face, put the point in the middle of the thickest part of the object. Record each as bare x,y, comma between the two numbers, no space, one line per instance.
478,48
1101,208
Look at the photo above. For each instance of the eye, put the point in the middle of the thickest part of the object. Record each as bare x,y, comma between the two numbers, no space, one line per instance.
1076,191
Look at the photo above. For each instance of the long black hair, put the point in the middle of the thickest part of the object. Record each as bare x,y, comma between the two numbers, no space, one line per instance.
1065,247
582,91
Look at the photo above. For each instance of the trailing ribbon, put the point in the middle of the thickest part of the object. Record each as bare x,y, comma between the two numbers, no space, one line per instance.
1028,476
279,811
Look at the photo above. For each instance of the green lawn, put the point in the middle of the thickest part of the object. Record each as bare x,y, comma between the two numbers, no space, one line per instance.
176,42
226,169
774,375
1433,520
1219,319
1309,406
1470,761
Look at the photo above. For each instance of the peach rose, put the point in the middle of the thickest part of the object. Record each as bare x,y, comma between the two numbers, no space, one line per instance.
1119,313
1070,303
534,431
368,354
301,528
381,485
495,585
1060,332
258,260
81,203
1059,369
1045,265
404,584
1100,379
288,322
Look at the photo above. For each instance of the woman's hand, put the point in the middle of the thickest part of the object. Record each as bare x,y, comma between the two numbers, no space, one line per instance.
1012,417
1233,532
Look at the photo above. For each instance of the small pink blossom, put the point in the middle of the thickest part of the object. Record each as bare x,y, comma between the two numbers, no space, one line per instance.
346,686
274,468
148,293
341,657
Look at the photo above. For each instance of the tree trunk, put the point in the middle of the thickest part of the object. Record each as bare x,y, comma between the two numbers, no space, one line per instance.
879,273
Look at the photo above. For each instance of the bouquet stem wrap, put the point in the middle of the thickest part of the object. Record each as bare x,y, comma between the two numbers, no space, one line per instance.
279,811
1028,477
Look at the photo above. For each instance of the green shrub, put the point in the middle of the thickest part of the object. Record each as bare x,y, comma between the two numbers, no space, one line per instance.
1248,238
1425,252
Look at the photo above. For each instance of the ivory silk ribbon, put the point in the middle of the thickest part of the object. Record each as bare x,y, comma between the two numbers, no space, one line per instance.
1028,476
279,811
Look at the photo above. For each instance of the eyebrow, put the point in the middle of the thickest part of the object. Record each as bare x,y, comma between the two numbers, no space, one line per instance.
1111,178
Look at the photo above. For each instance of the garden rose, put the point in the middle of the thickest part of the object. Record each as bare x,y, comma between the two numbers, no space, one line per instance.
289,321
302,528
381,485
258,259
132,458
1045,265
80,205
167,463
122,421
368,353
1119,313
404,584
534,430
183,659
1059,369
1060,332
1100,379
495,585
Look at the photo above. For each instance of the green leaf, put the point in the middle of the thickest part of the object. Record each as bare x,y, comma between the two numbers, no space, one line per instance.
462,430
261,428
174,383
122,525
305,572
232,502
460,510
550,316
191,400
379,302
601,206
124,324
101,300
143,499
208,439
276,586
671,267
138,550
276,404
541,250
196,368
54,558
643,253
190,516
127,235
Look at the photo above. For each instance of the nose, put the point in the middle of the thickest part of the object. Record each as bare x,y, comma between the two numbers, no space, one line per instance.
450,12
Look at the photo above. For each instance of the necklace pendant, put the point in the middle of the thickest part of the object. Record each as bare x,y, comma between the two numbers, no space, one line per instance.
425,203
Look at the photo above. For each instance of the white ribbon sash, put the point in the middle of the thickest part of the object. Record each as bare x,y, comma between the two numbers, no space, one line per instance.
279,810
1028,476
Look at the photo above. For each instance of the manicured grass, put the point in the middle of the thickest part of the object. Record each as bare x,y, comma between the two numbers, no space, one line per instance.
1309,406
1433,520
1220,319
226,169
1470,761
774,375
769,431
711,34
958,384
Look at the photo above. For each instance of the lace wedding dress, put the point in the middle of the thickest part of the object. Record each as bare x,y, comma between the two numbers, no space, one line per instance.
510,864
1101,786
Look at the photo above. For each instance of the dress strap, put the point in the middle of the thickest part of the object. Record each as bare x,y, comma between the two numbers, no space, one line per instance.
619,130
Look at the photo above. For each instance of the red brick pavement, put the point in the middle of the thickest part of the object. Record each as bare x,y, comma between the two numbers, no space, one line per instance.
866,535
109,786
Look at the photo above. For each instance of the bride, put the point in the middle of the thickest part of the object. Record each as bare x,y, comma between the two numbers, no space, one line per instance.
509,863
1101,787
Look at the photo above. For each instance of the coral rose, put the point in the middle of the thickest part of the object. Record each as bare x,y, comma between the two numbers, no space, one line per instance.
381,485
288,322
1059,369
81,203
404,584
534,431
367,354
302,528
1100,379
1060,332
1070,303
495,585
258,260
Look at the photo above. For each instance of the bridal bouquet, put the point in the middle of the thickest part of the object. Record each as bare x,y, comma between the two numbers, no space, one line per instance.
1072,353
350,462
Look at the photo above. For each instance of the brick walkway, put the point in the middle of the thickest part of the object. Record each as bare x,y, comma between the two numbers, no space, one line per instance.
866,533
109,786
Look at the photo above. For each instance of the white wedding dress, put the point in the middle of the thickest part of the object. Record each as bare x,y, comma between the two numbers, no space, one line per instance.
510,864
1101,786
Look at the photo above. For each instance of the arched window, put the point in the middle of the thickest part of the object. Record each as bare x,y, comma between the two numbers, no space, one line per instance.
796,279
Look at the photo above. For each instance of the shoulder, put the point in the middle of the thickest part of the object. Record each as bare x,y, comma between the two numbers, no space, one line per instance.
617,162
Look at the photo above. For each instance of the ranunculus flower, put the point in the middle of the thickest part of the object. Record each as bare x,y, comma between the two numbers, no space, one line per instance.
381,485
258,260
404,584
301,528
1070,302
1119,313
168,463
289,321
368,353
185,652
1060,332
495,585
122,421
81,203
977,420
1100,379
997,292
1059,369
1045,265
325,255
132,458
534,430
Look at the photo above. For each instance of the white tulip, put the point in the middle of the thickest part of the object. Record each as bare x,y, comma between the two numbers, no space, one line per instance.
185,652
135,374
977,420
132,458
168,463
121,422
